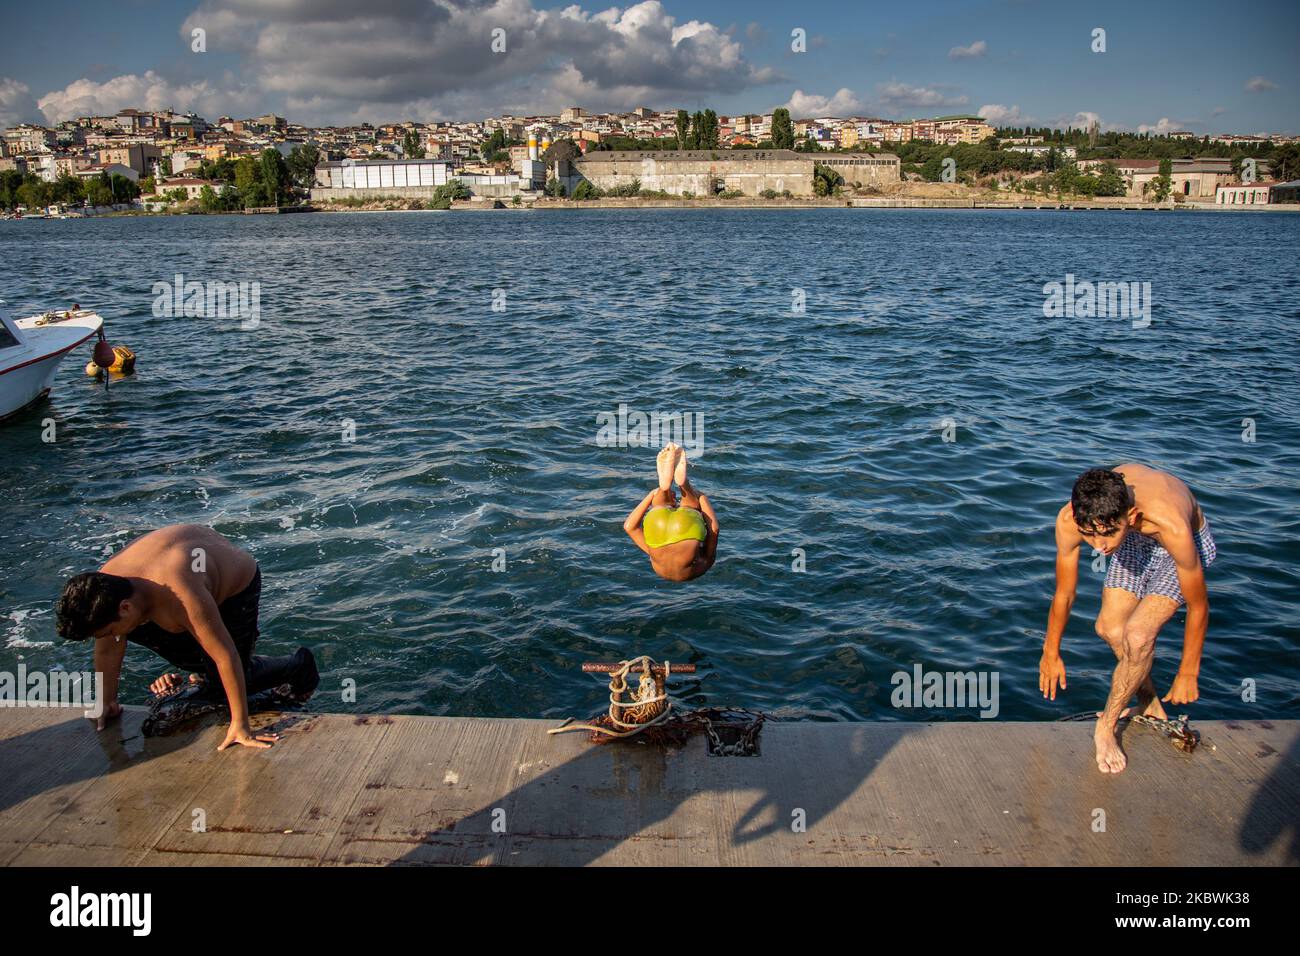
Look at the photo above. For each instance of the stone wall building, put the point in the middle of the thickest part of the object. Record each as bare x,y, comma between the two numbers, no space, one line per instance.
1200,179
865,169
702,172
1194,179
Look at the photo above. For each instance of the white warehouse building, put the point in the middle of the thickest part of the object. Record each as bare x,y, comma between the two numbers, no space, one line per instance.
416,179
375,177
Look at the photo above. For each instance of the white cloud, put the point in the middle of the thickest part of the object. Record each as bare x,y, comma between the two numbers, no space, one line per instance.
976,49
999,115
1162,127
16,103
1259,84
149,91
895,96
844,103
325,60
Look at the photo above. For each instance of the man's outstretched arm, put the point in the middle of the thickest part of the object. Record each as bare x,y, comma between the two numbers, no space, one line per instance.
1051,669
633,523
109,652
1191,579
210,631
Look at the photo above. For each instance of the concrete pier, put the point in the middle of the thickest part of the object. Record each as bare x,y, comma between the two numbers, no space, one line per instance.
341,789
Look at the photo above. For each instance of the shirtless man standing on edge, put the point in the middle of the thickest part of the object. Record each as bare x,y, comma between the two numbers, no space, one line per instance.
1159,543
191,596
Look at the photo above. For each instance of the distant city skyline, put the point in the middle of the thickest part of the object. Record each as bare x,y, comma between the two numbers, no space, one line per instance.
1165,67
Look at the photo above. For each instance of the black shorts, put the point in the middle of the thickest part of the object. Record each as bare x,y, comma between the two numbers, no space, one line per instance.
238,613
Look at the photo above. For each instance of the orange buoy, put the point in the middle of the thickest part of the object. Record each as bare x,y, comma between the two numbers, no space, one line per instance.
120,360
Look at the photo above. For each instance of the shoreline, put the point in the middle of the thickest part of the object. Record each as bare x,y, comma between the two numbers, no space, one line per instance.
562,205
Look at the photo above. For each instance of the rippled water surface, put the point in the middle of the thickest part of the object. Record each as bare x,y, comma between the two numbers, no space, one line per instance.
476,430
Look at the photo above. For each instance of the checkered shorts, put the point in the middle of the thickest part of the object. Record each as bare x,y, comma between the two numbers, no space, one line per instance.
1144,567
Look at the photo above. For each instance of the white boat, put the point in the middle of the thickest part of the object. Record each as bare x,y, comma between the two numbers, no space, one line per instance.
30,352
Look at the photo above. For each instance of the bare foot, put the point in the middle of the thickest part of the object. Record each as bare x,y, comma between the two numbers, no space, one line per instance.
286,690
680,473
170,683
1110,759
665,462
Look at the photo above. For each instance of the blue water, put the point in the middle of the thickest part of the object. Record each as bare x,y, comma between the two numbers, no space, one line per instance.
476,430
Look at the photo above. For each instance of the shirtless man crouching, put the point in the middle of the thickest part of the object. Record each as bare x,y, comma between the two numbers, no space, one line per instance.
191,596
1158,543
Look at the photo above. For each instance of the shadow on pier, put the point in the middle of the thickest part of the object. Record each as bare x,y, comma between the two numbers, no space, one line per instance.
628,803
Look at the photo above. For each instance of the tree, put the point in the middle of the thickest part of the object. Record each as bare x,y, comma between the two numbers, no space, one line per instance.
302,164
34,193
826,181
274,174
1284,164
709,131
10,181
222,170
99,192
123,189
683,130
245,171
411,147
493,145
555,188
782,129
1066,179
586,190
454,189
1110,182
68,189
1164,181
225,200
932,168
561,151
613,143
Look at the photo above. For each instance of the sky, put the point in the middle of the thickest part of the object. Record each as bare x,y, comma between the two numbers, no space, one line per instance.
1191,65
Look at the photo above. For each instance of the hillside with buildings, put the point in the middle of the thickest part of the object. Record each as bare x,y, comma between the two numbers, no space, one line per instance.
168,161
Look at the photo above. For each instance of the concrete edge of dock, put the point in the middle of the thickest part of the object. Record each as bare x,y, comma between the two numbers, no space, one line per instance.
343,789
